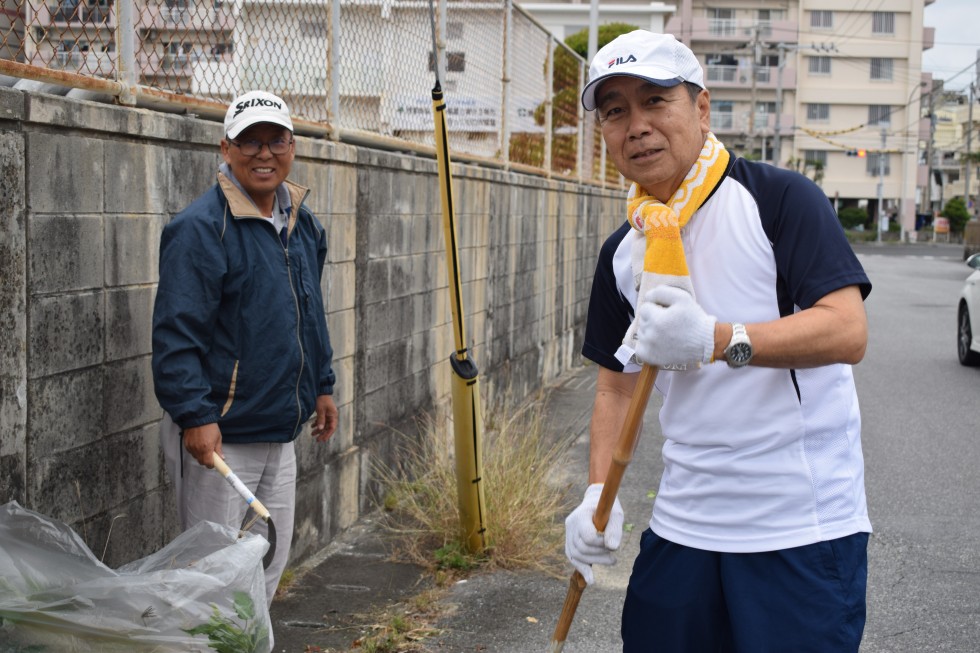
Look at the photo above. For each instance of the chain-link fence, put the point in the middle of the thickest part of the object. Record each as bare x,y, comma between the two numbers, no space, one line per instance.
356,70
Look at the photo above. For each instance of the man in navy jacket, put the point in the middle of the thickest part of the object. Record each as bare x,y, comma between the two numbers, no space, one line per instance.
241,353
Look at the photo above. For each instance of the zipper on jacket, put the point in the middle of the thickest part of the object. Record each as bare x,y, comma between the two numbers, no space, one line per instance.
299,341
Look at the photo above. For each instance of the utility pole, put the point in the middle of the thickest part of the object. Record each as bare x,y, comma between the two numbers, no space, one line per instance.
967,163
777,142
927,203
973,89
881,181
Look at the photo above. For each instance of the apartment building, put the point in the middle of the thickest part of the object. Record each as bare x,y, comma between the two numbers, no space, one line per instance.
11,29
180,44
832,88
951,152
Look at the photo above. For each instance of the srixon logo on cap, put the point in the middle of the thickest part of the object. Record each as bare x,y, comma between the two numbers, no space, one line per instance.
255,102
619,60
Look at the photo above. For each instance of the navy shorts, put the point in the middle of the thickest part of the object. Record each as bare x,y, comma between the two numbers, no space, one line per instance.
809,599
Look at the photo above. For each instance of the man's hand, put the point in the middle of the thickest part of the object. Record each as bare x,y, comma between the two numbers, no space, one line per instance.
326,418
202,442
672,330
584,546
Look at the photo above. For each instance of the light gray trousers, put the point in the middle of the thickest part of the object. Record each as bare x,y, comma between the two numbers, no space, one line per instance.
267,469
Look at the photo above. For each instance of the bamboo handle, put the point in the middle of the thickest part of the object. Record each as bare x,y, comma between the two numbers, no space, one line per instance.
622,455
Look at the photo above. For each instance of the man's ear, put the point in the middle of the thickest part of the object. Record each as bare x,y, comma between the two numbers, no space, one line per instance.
704,110
225,147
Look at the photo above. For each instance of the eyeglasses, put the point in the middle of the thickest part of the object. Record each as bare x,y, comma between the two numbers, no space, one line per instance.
252,148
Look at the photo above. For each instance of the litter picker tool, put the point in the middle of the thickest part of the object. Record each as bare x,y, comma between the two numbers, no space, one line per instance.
467,422
261,512
622,455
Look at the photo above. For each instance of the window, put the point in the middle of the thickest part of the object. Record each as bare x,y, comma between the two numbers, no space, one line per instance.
813,158
66,11
882,22
873,158
762,112
769,15
881,69
765,18
722,115
818,112
819,65
455,62
822,19
721,67
219,50
313,29
721,22
879,114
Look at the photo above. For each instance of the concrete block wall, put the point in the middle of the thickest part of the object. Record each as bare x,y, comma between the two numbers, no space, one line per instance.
86,189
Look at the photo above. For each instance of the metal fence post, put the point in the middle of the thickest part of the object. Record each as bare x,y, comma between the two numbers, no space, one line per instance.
506,99
126,46
549,108
441,27
580,141
333,72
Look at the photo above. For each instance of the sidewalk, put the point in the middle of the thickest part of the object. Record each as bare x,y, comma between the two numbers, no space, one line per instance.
336,594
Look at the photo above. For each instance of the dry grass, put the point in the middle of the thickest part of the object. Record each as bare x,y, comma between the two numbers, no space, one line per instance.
524,507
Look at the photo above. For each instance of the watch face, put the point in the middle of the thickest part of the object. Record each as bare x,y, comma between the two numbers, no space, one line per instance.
740,353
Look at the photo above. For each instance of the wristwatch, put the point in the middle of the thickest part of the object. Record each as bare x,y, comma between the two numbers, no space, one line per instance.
738,353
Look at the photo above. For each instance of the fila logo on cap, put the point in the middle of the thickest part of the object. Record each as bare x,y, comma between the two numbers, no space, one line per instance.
619,60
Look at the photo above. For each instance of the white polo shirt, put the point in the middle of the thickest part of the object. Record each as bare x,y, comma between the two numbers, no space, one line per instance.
755,459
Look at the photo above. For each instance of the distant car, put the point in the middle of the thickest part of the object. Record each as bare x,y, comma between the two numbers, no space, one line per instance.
968,316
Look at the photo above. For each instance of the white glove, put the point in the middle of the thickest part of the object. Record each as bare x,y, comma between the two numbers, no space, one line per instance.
672,330
584,546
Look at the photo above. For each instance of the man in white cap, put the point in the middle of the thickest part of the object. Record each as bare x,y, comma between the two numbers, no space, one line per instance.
241,353
749,300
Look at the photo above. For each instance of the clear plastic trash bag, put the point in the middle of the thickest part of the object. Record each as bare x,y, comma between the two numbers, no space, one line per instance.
55,595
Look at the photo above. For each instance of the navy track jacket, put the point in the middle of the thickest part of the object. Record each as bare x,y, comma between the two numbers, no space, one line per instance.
239,332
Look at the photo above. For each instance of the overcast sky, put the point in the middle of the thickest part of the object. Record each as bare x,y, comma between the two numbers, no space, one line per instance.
957,24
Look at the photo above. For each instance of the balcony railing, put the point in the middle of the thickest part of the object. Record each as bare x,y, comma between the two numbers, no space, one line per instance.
80,13
737,122
737,29
68,60
725,74
200,17
739,74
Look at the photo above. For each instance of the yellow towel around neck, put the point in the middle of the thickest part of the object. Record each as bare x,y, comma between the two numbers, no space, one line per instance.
658,258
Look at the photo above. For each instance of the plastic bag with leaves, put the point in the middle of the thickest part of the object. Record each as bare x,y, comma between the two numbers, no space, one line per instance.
203,592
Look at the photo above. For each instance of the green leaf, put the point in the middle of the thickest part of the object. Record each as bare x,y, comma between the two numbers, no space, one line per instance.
244,606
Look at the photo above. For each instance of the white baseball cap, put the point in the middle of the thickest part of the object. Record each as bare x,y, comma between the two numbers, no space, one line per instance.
254,107
657,58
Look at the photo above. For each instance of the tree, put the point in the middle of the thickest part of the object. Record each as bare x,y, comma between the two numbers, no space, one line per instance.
566,92
579,41
957,213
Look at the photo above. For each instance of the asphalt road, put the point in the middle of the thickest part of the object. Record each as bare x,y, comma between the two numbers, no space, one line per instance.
921,435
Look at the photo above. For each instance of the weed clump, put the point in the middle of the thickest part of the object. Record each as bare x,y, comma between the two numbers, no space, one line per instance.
524,505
